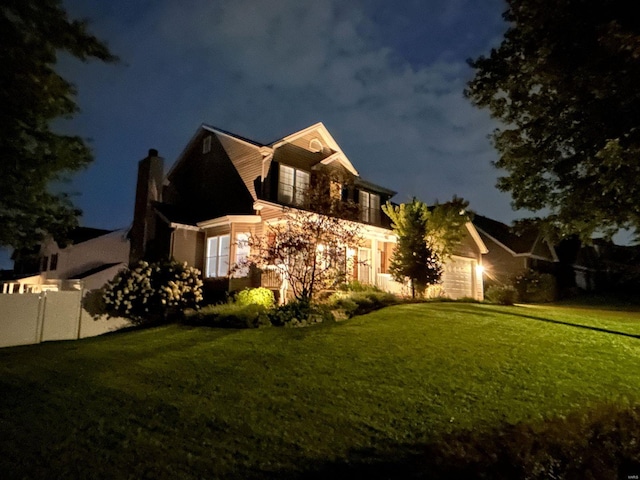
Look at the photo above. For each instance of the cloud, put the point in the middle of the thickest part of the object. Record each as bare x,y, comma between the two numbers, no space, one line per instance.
267,69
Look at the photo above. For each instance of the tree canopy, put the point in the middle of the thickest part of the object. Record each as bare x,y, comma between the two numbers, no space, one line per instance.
32,95
564,85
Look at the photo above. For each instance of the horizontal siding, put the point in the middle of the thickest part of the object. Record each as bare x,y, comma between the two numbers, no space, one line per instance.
271,213
247,159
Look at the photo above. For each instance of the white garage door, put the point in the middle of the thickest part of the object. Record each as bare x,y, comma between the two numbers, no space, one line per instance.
457,277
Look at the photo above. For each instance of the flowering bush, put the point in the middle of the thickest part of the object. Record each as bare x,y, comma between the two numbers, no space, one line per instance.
152,292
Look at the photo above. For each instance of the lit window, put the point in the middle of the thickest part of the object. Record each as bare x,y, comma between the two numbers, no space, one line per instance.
335,190
206,144
242,253
369,207
217,261
293,185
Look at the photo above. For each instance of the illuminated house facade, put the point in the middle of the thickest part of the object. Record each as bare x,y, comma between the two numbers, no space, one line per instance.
223,188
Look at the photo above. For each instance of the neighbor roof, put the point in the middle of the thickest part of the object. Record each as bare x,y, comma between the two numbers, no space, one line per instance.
516,242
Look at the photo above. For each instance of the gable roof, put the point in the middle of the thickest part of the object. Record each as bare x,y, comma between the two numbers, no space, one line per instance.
251,158
83,234
319,132
94,270
518,243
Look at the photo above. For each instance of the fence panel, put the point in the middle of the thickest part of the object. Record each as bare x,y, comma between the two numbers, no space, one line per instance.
61,315
29,318
19,319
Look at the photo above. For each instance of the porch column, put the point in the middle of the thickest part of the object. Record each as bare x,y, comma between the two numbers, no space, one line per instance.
375,261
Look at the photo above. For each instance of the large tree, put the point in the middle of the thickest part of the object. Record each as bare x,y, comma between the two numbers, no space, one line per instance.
32,94
564,85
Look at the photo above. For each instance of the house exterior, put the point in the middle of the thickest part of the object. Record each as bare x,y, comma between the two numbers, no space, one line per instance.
511,253
92,257
601,266
224,188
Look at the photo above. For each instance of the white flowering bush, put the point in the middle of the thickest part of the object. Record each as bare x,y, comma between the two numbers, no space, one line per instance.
149,292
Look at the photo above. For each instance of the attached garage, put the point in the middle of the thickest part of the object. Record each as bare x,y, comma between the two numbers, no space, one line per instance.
459,277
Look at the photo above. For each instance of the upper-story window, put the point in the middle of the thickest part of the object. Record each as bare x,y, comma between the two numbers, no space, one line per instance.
369,207
293,185
206,144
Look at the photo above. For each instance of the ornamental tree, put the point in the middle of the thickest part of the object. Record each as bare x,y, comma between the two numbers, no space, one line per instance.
414,258
564,85
148,293
308,249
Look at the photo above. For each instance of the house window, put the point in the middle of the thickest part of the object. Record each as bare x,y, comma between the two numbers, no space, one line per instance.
369,207
217,261
54,262
336,190
242,253
44,264
293,185
206,144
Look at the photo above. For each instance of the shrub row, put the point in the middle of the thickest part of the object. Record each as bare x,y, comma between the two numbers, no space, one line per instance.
528,287
254,308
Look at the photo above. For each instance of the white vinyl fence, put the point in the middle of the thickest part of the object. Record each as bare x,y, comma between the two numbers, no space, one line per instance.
40,317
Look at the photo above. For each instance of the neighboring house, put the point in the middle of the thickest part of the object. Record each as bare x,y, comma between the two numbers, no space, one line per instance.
511,252
223,188
92,257
601,266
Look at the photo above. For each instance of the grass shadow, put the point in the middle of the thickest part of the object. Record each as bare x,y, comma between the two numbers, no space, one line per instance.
549,320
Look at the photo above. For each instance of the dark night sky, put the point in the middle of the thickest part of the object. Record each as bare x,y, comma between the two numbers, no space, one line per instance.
386,78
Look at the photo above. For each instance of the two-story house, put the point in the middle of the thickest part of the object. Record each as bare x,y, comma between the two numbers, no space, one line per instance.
223,188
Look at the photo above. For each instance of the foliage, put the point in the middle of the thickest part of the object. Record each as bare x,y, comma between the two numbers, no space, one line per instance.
356,286
414,257
535,287
230,315
501,294
359,302
308,249
256,296
564,85
600,442
446,225
32,155
300,314
146,293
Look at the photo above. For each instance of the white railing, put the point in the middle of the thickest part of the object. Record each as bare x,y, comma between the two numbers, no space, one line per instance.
13,287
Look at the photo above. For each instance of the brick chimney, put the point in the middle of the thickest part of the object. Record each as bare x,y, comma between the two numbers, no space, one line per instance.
148,190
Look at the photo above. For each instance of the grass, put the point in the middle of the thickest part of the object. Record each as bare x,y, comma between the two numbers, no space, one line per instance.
185,402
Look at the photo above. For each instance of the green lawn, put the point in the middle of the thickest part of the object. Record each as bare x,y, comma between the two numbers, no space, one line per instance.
186,402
